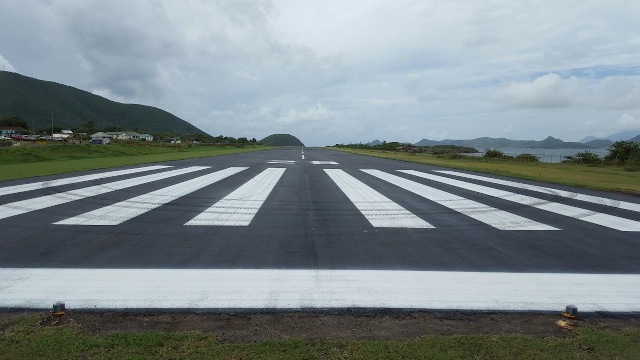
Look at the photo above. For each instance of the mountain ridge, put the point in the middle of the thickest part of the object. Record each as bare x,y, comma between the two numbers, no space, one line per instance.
491,143
619,136
35,100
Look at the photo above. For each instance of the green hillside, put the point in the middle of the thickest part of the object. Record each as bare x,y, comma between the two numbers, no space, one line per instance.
281,140
34,100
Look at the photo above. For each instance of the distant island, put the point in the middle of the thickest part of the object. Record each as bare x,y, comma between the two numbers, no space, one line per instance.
281,140
495,143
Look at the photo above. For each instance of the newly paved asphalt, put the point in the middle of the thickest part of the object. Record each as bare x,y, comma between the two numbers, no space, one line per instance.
308,222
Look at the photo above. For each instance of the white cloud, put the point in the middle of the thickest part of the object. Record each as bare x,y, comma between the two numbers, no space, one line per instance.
553,91
6,65
316,113
629,122
546,91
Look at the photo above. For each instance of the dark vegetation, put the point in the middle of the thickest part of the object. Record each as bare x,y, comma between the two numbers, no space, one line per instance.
492,143
621,153
400,147
35,100
281,140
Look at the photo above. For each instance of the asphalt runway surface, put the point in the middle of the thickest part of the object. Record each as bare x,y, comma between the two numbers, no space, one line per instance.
304,227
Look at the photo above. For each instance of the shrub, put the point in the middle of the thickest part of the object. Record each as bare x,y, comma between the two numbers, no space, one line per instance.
527,158
493,153
584,157
623,151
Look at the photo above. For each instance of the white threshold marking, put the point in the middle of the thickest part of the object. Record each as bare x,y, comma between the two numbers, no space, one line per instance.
76,179
242,205
128,209
610,221
281,162
42,202
497,218
379,210
545,190
303,289
324,163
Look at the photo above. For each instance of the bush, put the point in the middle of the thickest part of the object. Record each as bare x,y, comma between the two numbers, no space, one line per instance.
623,151
527,158
585,157
493,153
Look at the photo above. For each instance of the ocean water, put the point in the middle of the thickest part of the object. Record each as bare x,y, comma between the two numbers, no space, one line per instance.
548,155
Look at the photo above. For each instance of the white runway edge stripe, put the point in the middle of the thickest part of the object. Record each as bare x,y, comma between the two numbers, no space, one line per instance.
377,208
42,202
242,205
76,179
610,221
128,209
545,190
303,289
497,218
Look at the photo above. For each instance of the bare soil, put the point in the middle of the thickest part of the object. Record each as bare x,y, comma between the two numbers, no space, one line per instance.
255,327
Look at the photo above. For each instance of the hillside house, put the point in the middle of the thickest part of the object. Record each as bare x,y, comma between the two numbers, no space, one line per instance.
146,137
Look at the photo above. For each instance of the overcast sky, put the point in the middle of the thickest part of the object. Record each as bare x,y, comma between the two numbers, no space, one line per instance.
345,71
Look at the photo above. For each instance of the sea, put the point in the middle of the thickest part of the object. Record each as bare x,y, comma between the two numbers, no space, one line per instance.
547,155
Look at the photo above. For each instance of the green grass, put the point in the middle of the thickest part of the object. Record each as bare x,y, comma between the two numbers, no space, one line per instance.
28,161
25,337
608,178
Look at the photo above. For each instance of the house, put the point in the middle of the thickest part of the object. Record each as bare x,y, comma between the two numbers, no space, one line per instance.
100,135
63,135
146,137
7,131
133,135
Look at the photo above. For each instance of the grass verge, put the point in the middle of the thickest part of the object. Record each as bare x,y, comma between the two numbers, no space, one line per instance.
607,178
59,159
33,337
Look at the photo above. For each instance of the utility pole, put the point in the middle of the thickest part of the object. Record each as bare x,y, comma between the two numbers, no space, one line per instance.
52,124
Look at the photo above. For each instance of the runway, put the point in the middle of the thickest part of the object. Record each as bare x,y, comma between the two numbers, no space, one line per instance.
312,228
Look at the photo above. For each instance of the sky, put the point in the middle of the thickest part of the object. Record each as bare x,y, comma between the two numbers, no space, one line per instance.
337,71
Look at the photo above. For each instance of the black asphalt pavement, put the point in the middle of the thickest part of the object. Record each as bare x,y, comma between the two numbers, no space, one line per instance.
307,222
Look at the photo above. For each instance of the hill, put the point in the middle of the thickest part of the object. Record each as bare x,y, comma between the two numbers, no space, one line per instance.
34,100
619,136
494,143
281,140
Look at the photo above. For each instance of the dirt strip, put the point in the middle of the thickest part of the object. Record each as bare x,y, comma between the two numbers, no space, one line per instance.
253,327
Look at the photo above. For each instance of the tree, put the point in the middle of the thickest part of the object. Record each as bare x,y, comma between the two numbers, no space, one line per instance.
90,127
622,151
14,121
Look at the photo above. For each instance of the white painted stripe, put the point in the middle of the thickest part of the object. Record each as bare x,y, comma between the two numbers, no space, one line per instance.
304,289
281,162
240,207
377,208
128,209
324,163
302,156
489,215
73,180
42,202
546,190
593,217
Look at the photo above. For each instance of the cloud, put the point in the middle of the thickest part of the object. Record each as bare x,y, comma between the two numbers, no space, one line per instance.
553,91
6,65
548,91
317,113
629,122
